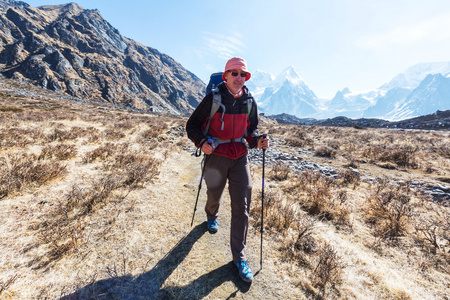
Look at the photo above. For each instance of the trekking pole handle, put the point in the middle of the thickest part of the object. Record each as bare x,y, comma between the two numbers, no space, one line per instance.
264,136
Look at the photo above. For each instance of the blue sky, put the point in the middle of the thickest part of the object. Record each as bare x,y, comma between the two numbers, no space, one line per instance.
359,44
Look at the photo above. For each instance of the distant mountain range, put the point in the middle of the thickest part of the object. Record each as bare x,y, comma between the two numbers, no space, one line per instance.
440,120
73,50
422,89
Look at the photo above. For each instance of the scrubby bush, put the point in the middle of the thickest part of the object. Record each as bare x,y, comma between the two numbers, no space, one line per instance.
82,199
325,151
113,135
401,155
348,177
58,135
132,168
304,229
279,171
20,171
295,142
320,196
152,133
431,228
10,109
100,153
59,152
18,137
329,267
389,209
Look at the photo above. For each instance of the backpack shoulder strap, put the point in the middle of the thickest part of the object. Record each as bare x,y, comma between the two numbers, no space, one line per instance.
249,108
250,102
216,104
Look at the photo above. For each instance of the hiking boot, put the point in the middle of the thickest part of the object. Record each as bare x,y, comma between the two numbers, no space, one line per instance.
213,226
244,271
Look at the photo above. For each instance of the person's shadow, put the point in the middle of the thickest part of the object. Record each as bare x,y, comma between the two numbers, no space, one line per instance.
148,285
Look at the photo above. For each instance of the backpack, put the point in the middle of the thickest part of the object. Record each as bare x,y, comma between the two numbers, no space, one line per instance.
214,80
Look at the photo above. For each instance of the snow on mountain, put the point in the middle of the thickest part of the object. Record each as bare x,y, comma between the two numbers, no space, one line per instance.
421,89
386,103
432,94
291,75
289,93
412,77
418,91
350,104
258,83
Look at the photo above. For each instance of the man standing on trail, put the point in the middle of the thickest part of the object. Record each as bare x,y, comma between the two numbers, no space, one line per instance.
226,154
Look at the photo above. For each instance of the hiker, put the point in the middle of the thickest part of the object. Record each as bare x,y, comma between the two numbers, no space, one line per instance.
226,154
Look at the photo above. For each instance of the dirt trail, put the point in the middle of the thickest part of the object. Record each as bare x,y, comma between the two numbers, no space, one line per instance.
206,270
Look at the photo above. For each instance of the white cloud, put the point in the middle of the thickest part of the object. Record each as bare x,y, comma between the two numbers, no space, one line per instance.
431,30
223,46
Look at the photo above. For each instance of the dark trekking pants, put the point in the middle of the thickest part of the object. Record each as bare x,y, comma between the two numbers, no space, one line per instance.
218,170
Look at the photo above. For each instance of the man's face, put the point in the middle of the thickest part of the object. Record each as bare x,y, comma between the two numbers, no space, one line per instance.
235,83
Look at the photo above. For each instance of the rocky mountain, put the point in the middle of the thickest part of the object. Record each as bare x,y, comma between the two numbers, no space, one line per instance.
386,102
258,83
73,50
422,89
432,94
350,104
289,93
7,3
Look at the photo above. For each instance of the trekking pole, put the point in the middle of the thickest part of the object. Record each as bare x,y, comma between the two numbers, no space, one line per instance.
199,188
262,202
197,153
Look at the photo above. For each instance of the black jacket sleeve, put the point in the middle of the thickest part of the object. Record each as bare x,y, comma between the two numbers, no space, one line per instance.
197,121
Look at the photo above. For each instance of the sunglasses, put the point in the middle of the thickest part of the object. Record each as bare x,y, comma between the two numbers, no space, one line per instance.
236,73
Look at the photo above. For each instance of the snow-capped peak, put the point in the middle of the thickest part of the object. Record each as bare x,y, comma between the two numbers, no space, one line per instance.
289,94
291,75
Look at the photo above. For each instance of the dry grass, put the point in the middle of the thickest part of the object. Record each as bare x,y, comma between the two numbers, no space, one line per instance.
20,171
96,203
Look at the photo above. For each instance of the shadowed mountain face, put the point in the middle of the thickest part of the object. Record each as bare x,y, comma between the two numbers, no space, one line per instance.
74,50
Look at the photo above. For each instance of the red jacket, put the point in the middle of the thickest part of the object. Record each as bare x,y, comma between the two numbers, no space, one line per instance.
236,120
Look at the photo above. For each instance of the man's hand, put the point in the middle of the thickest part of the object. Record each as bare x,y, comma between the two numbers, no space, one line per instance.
263,143
208,147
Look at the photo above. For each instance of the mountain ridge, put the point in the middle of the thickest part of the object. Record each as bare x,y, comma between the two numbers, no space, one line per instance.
439,120
74,50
